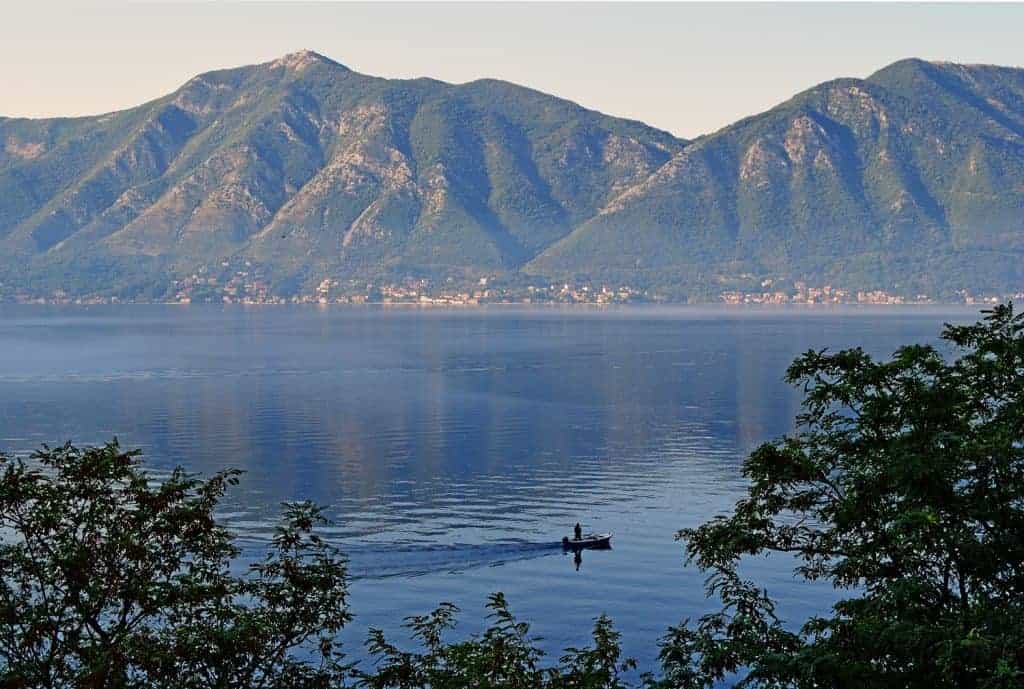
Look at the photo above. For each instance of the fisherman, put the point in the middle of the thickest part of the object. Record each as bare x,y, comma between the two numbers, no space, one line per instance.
578,532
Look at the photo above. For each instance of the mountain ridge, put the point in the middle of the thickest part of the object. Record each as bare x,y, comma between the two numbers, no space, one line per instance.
310,171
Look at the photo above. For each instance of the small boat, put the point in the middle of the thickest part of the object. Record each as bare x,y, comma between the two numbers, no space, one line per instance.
592,541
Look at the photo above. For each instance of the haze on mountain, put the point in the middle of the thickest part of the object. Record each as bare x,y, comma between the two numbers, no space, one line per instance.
910,180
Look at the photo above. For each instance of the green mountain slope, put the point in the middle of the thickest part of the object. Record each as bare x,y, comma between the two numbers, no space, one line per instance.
911,179
311,168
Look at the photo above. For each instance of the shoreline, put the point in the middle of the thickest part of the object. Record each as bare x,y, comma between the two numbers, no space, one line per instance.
532,306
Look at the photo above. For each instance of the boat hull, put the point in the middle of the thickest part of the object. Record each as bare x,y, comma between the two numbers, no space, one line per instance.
589,542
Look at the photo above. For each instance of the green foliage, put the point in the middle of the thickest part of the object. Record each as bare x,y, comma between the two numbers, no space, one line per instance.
505,656
112,579
904,486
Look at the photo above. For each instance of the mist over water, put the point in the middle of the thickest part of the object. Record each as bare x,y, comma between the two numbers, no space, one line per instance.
452,449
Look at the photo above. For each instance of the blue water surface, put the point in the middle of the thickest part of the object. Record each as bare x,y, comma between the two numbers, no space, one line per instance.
454,448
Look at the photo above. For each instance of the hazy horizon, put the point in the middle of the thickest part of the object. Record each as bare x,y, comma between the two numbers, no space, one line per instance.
686,68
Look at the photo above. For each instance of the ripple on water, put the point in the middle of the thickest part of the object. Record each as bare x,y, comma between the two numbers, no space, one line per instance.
451,450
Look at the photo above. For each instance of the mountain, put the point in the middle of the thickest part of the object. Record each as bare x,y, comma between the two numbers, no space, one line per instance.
310,168
912,178
302,170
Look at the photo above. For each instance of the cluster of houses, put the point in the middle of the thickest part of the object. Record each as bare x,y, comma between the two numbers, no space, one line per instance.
242,283
802,293
483,291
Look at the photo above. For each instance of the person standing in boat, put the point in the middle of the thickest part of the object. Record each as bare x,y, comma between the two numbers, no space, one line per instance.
578,532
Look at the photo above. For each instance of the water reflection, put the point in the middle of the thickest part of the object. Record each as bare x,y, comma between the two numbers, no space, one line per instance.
577,551
451,448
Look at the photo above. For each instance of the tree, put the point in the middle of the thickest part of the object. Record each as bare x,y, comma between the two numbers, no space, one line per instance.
505,656
903,486
111,579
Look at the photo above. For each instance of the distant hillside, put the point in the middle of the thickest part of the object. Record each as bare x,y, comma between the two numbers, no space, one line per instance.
911,178
303,170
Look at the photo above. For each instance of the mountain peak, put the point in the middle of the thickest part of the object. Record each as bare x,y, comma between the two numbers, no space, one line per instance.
909,180
303,59
907,65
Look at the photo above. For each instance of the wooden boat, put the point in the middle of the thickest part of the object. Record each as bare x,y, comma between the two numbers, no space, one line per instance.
591,541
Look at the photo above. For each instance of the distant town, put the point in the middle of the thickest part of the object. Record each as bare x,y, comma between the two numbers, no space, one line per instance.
802,293
244,284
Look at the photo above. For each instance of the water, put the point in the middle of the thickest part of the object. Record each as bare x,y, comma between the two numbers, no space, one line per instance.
453,448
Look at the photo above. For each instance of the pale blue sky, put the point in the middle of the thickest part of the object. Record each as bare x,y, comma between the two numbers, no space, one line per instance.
687,68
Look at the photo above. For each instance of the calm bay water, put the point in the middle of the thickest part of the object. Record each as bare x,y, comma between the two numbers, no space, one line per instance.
453,448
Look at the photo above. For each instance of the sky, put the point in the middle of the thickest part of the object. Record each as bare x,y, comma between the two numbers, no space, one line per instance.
686,68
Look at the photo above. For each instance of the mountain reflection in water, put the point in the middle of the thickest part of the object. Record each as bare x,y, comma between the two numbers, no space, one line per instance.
452,449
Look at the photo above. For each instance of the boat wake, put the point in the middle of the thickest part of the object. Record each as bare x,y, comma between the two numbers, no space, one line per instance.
379,558
381,562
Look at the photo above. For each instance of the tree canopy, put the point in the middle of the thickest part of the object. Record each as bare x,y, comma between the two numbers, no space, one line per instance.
109,578
903,486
